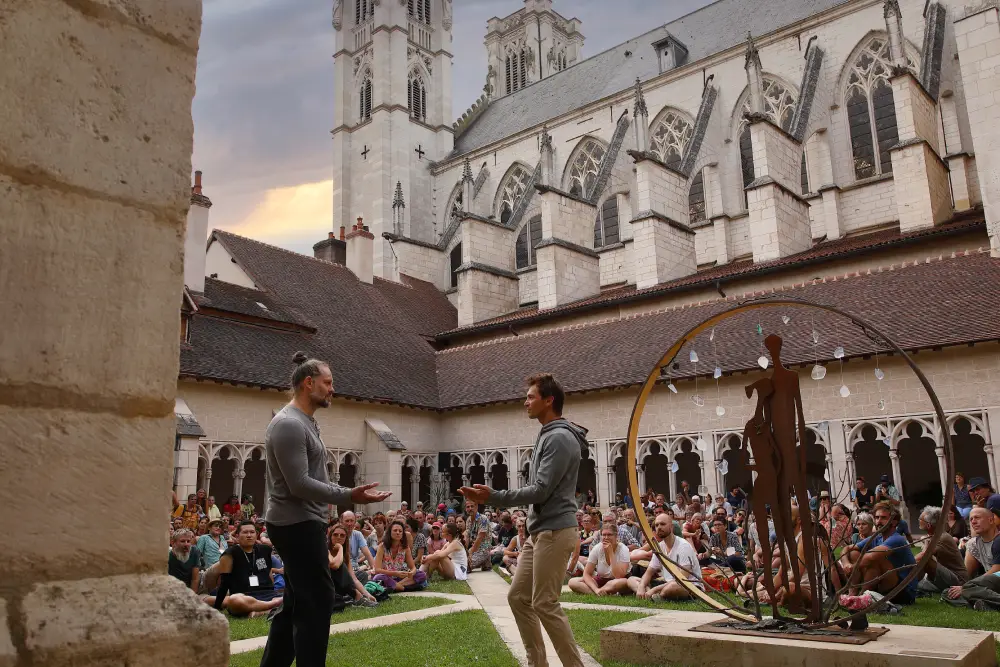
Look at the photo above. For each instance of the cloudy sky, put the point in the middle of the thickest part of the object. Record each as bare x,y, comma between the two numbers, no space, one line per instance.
263,110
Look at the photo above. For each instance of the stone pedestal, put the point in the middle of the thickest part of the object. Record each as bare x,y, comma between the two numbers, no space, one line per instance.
668,638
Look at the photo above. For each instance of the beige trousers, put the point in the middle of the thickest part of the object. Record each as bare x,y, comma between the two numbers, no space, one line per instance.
534,596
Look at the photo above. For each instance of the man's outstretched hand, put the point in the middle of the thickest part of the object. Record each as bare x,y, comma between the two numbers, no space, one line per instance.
362,495
477,493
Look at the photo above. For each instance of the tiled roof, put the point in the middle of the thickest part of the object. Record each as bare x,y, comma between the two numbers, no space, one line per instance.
965,308
705,32
220,295
374,336
823,251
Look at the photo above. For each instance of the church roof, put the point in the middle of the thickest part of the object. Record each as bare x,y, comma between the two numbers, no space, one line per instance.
705,32
376,337
622,352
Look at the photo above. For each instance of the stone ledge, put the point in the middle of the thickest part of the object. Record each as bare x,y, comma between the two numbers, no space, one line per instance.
646,215
544,243
647,156
393,238
611,246
543,189
755,118
138,619
903,72
768,180
916,141
465,215
486,268
526,269
975,10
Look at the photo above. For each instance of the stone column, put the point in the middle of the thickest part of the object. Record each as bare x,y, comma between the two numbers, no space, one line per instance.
954,153
568,267
642,479
991,463
415,486
487,284
95,165
897,478
942,468
207,482
977,37
605,494
923,194
238,475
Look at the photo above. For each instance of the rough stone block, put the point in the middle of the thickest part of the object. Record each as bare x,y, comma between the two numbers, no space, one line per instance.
175,21
92,266
136,620
8,654
109,109
80,459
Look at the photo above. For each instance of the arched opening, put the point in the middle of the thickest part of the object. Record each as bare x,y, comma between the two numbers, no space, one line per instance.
688,467
222,476
424,489
871,457
255,479
529,237
584,166
477,471
918,467
621,476
606,227
203,482
739,474
512,188
816,470
657,470
586,475
498,476
406,481
348,477
970,458
696,198
669,137
365,97
871,109
455,472
416,96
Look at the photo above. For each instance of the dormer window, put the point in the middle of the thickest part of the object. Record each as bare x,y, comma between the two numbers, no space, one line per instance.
670,52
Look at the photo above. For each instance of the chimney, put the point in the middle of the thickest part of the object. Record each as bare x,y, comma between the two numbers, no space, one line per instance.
195,237
331,249
360,250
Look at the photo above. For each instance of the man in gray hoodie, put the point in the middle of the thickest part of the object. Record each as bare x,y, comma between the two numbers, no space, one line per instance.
552,528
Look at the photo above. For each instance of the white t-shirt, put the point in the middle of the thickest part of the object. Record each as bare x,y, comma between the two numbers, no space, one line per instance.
597,558
684,555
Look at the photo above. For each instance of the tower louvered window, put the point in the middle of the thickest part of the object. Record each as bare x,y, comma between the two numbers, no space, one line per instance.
365,97
419,10
871,110
363,10
416,95
527,240
516,70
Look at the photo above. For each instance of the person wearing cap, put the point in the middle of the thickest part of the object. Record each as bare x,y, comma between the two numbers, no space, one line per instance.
212,545
982,551
980,490
437,539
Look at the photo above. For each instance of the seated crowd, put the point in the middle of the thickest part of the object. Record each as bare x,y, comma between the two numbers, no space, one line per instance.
712,543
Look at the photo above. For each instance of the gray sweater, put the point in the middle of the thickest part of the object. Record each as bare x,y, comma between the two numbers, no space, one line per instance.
298,488
550,493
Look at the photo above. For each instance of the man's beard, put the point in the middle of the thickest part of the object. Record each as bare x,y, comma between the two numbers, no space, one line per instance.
182,553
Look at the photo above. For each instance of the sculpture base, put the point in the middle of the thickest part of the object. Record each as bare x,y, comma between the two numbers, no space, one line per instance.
834,635
673,638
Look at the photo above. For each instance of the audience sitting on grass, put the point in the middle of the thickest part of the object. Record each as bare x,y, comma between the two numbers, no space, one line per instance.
945,568
657,582
212,545
502,536
514,547
416,538
184,561
344,582
450,562
479,538
362,561
982,557
394,568
437,540
608,565
864,526
881,561
724,547
243,574
958,527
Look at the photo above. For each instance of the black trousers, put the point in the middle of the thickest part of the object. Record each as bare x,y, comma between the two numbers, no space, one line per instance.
301,630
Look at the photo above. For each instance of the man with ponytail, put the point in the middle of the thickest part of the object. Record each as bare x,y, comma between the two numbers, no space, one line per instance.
299,493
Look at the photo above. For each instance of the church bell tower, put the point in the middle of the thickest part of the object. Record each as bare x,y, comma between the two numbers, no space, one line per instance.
392,115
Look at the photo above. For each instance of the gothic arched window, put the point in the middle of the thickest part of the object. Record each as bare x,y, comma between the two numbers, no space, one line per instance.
584,166
516,68
511,191
779,105
696,198
805,175
455,207
871,110
416,96
365,96
363,10
456,262
527,239
606,224
670,136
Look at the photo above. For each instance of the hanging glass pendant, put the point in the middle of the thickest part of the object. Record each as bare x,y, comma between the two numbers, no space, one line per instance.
718,373
844,391
724,466
887,442
826,474
673,428
838,353
702,445
671,387
786,319
762,361
815,337
818,372
674,467
881,404
694,357
711,336
760,329
879,375
719,410
698,400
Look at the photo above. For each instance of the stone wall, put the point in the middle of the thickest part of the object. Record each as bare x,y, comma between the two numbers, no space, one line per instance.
527,286
617,265
868,205
422,262
95,164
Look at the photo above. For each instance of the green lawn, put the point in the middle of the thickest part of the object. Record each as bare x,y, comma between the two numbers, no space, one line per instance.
449,586
496,568
632,601
244,628
587,625
453,640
